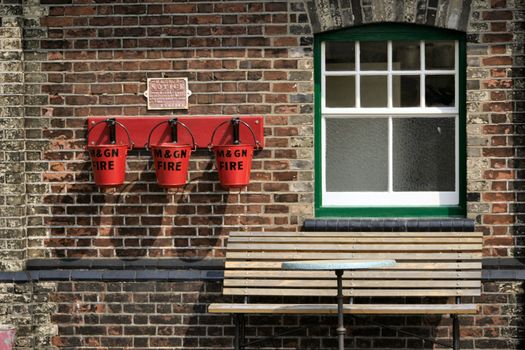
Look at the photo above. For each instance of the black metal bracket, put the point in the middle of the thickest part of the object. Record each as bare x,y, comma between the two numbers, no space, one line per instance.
112,124
174,132
236,122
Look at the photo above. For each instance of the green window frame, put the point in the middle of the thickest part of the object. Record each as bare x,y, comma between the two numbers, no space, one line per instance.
391,32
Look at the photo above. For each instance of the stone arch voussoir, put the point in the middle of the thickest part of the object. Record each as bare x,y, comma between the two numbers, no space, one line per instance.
328,15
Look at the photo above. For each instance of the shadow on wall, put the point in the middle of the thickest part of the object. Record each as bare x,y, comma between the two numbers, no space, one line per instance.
139,315
138,219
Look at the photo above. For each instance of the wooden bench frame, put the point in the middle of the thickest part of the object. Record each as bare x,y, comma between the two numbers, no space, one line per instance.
441,266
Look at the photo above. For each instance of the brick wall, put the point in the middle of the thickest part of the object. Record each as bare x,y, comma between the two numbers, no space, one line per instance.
241,58
83,58
145,315
495,124
12,190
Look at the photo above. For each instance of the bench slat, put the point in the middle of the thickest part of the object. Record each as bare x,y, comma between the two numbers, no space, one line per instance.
353,274
299,246
298,283
375,240
399,266
332,256
393,309
353,292
355,234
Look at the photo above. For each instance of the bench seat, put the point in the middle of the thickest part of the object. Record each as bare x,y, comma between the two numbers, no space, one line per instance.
438,268
355,309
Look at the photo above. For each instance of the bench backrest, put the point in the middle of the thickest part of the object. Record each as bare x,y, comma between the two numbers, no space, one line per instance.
438,264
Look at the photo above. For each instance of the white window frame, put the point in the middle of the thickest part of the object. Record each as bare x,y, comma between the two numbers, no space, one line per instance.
389,198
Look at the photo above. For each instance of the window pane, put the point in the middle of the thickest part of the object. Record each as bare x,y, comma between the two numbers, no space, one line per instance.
439,55
424,154
356,154
439,90
340,91
405,55
374,92
374,55
340,55
406,91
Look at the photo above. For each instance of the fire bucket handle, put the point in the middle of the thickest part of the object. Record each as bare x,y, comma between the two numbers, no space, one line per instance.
173,123
111,122
257,143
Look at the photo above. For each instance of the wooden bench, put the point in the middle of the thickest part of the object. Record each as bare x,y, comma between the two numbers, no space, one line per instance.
442,267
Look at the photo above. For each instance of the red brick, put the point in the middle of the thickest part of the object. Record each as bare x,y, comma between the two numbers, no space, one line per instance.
498,3
498,129
80,10
57,21
498,240
229,7
498,152
285,41
497,15
498,84
500,73
179,8
496,38
497,197
498,107
499,208
498,95
284,87
498,49
497,61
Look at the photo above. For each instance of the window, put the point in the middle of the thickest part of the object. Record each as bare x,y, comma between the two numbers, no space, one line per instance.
390,121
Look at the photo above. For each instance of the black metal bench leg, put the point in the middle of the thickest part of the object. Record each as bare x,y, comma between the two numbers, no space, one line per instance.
239,340
455,332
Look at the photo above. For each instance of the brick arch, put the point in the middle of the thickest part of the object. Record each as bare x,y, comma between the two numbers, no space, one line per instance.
328,15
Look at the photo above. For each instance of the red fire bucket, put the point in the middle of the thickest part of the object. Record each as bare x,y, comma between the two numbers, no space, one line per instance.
234,162
109,160
171,160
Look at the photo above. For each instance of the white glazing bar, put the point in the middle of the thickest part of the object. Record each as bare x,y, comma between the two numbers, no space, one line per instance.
456,67
439,72
389,76
406,72
323,157
323,131
456,153
339,73
422,76
396,110
390,155
386,114
357,76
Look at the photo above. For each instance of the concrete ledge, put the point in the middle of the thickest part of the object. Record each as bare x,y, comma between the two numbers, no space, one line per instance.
125,264
494,269
111,275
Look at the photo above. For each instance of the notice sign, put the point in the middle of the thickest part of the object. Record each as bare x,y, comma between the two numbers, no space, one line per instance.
167,93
